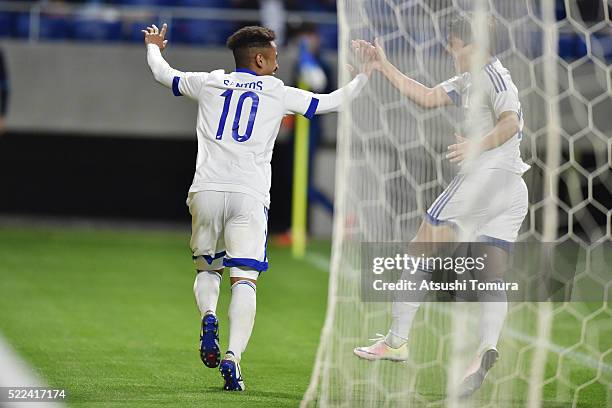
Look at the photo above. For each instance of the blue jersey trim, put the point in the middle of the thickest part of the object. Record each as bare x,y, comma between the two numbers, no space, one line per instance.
433,221
246,71
247,262
312,108
501,79
436,222
496,242
175,86
496,78
492,79
209,259
266,243
245,282
454,95
441,197
446,196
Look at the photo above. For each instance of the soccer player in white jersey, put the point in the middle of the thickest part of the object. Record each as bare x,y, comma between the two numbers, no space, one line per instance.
239,115
486,202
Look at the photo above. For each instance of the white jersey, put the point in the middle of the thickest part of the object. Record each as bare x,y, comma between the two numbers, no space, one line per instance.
239,115
501,95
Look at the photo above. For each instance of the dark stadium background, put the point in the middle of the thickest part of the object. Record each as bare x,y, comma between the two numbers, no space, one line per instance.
54,164
68,170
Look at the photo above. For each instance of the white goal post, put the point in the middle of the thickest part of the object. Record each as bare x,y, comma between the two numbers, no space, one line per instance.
391,166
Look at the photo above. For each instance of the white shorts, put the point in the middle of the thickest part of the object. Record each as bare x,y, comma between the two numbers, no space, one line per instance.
489,205
228,230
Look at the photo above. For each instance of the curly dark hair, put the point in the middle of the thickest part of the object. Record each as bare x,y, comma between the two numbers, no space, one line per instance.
243,41
251,37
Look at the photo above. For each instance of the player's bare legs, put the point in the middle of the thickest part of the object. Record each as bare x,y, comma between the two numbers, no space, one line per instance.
429,240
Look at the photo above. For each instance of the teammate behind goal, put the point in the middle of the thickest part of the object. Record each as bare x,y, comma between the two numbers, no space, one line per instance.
486,202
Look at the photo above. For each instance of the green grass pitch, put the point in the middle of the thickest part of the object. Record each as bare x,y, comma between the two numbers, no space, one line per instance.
110,316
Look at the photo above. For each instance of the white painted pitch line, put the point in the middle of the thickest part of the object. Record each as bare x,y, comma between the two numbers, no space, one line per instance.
317,260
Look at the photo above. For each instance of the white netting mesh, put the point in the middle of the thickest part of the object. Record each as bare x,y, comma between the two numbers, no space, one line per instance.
391,167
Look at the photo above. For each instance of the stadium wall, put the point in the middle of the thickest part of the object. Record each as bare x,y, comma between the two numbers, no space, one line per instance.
91,135
107,89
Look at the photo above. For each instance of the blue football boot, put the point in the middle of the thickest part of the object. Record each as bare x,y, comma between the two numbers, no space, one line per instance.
230,371
209,341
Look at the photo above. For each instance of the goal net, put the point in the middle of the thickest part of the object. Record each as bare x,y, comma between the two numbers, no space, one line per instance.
391,166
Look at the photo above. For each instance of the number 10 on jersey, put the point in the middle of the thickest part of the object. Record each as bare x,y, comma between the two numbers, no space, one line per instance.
226,105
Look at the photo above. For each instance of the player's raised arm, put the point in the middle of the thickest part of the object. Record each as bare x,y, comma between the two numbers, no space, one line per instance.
181,83
310,104
419,93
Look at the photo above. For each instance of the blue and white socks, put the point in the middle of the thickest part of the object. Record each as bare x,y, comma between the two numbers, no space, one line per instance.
241,316
206,290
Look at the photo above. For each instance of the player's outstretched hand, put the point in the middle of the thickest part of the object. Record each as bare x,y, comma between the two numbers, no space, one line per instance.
381,56
366,55
460,151
153,35
362,50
